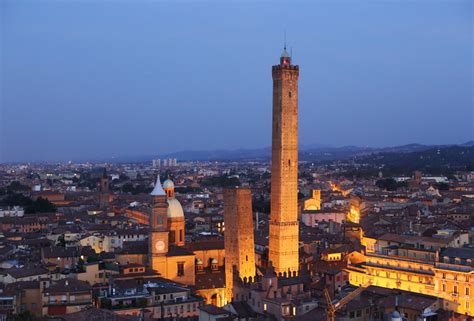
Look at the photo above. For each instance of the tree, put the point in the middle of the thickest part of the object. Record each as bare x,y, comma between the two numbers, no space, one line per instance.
23,316
442,186
222,181
142,303
41,205
105,303
16,186
16,199
388,184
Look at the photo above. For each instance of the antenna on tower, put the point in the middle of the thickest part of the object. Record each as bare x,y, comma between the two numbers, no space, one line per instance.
291,52
284,39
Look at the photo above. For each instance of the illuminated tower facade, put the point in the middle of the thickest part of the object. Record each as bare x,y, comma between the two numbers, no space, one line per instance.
238,236
283,242
158,238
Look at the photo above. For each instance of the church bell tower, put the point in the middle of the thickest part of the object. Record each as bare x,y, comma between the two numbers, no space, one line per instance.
283,240
104,196
158,238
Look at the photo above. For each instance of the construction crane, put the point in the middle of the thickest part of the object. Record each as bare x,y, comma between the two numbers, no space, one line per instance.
332,308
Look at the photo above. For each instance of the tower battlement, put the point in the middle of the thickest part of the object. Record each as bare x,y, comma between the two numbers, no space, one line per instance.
285,67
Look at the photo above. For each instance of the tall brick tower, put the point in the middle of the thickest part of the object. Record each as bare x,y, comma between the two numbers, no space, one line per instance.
283,241
104,196
238,236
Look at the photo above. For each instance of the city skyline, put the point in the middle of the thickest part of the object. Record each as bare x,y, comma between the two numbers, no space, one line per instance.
126,83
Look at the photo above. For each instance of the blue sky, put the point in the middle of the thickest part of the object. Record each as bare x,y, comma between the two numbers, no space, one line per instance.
92,79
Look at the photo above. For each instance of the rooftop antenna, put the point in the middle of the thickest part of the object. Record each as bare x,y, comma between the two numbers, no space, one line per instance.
284,39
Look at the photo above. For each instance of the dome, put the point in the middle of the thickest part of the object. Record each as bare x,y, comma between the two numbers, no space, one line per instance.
396,316
168,184
158,190
175,210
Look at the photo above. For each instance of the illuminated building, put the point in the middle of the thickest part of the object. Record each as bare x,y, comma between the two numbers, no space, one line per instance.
354,211
447,273
335,187
283,231
239,238
170,261
314,202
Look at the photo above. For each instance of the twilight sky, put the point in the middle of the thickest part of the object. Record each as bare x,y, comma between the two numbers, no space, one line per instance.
92,79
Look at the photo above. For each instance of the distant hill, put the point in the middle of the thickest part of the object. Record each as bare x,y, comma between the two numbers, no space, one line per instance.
469,143
435,160
307,153
236,154
310,153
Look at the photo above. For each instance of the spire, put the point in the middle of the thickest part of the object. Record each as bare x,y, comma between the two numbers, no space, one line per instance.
285,58
158,190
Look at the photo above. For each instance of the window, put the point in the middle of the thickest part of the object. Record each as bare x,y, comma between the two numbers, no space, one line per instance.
455,288
289,94
188,307
444,287
467,290
359,313
180,268
351,315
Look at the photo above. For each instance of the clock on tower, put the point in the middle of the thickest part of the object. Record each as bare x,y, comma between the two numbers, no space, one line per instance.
160,245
